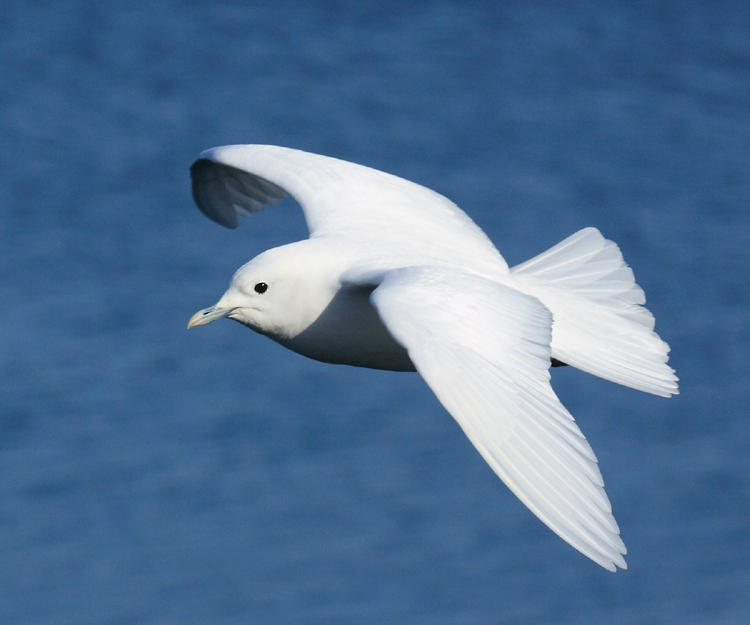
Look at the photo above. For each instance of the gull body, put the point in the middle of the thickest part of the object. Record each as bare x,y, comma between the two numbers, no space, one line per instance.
395,276
309,308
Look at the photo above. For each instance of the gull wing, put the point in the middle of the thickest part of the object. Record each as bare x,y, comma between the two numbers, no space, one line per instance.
484,350
339,199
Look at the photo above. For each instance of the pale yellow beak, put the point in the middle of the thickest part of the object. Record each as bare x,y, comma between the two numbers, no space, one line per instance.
207,315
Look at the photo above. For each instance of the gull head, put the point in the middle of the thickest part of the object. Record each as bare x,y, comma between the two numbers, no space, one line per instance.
275,294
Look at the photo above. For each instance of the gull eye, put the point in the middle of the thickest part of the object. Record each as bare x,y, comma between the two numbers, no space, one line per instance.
261,287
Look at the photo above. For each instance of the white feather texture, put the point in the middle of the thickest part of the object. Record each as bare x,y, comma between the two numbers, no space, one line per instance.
484,350
340,199
396,276
600,324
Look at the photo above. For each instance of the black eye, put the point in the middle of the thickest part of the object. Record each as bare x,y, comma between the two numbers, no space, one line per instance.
261,287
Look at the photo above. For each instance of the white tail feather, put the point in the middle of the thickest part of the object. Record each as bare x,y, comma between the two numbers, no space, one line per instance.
600,325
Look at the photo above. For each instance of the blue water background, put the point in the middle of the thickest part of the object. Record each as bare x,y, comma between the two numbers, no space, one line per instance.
150,475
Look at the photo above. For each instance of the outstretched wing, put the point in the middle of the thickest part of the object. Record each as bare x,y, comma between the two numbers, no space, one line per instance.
338,198
484,350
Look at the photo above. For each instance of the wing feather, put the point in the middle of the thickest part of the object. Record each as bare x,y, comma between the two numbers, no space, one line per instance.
484,350
340,199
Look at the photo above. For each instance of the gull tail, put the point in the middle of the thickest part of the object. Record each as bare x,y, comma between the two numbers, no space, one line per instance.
600,324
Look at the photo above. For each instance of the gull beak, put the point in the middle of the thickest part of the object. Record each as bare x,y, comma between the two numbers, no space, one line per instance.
207,315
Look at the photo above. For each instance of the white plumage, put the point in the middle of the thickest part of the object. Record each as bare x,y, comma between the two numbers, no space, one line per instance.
396,276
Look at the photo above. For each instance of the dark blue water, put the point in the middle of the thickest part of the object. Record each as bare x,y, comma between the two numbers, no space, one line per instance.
150,475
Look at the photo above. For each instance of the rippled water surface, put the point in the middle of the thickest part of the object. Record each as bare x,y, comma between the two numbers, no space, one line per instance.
152,475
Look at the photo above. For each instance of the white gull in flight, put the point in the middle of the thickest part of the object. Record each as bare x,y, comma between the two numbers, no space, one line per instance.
395,276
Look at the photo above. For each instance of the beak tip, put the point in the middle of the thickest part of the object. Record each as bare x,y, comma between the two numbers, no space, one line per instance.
207,315
196,319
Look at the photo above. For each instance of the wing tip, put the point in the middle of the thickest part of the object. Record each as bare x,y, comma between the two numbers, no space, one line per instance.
209,195
225,185
613,558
